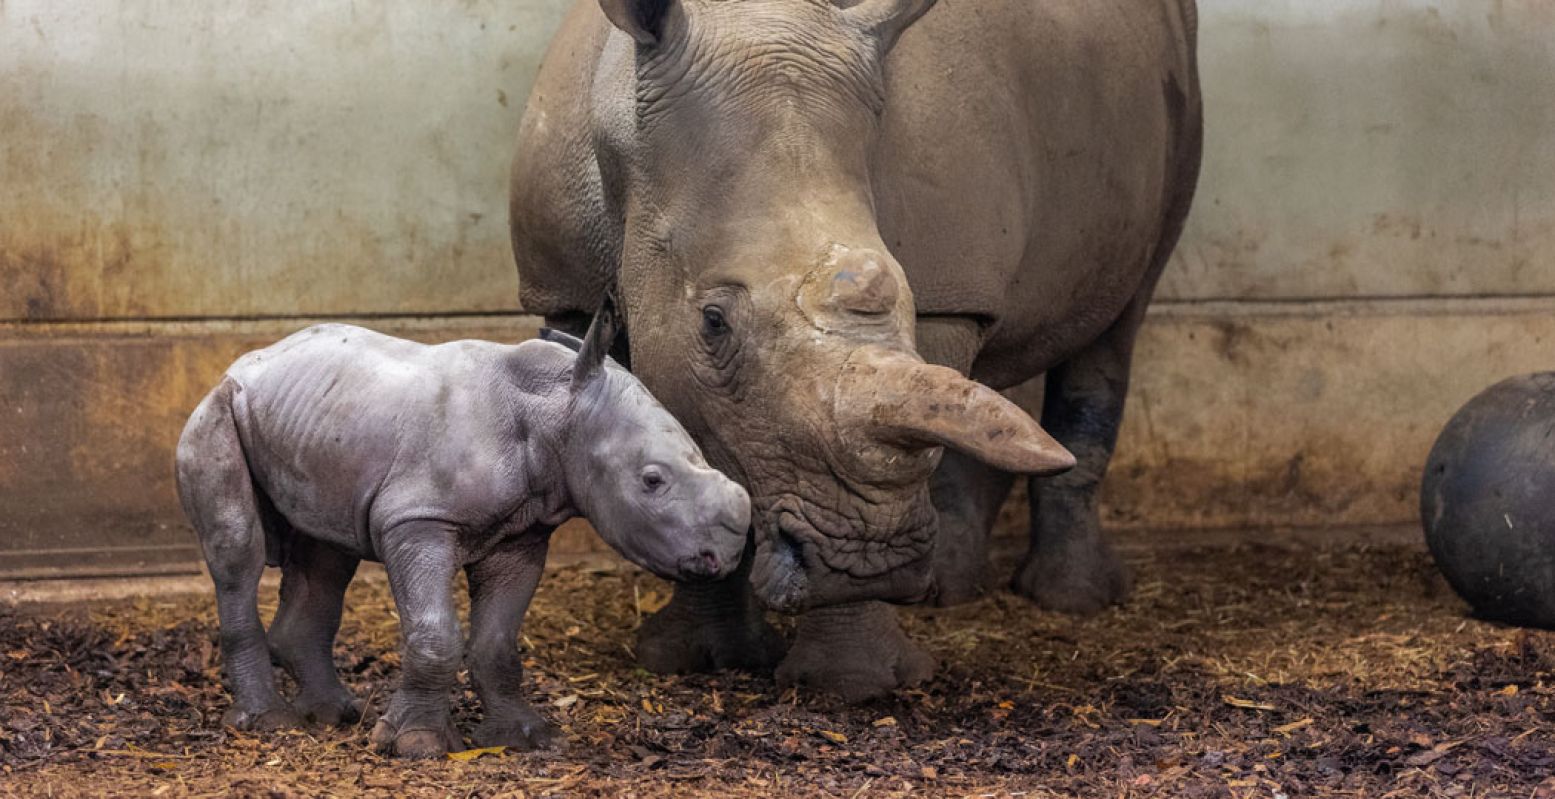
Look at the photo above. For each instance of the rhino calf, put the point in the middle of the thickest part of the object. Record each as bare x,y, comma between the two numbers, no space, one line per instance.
339,444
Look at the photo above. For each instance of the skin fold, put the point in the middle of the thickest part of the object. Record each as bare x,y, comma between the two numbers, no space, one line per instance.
339,444
825,220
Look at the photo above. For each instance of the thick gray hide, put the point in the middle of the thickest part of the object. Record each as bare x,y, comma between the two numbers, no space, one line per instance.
802,201
339,444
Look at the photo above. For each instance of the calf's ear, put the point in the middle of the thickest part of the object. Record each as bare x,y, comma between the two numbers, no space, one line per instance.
640,19
886,18
567,340
596,343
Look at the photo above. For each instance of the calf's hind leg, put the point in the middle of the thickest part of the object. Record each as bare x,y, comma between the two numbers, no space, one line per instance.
302,636
217,493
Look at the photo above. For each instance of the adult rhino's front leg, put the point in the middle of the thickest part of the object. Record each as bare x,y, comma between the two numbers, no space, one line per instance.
856,651
709,627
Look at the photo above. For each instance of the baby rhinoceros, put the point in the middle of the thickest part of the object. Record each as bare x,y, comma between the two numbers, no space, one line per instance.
339,444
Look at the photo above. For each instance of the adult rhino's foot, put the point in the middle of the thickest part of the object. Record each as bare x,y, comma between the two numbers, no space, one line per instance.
709,627
960,563
857,652
332,710
275,716
415,733
519,728
967,496
1082,578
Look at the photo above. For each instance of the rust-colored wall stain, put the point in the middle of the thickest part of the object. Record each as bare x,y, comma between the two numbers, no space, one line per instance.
331,172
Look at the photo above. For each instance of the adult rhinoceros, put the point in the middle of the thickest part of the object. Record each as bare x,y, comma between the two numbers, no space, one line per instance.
800,202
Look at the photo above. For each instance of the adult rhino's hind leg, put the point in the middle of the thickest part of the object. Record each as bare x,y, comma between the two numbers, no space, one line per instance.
217,493
1069,566
302,636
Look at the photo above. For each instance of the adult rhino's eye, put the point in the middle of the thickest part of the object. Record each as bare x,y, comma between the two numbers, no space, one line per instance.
653,480
714,325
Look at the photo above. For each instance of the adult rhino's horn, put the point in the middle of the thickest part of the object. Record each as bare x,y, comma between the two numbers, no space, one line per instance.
906,403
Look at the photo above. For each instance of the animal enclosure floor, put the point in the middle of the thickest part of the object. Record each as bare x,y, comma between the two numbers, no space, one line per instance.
1242,666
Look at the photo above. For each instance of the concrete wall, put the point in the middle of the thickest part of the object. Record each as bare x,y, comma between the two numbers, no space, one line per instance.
1374,240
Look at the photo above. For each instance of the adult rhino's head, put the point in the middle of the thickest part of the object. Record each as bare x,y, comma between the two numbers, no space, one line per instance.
764,308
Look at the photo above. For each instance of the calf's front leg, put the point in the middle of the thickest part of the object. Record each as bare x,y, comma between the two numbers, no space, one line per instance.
501,585
421,559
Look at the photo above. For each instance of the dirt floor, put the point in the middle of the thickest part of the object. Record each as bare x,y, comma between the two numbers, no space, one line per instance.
1244,666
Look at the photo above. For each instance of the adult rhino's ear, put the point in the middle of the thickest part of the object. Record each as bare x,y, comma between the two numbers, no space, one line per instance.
886,19
567,340
640,19
596,343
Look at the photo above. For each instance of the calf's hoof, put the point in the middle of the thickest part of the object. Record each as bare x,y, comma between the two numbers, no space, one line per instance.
1076,585
523,733
855,652
685,637
418,742
276,717
331,712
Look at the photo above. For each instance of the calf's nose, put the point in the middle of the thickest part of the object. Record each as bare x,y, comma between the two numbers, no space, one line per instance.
705,565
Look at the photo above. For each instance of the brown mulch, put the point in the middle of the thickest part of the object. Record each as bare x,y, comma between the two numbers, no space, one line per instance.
1238,669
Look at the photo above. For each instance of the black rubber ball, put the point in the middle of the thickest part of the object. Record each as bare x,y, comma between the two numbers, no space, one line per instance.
1488,501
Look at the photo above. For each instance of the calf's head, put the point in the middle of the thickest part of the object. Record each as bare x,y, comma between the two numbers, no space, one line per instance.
764,307
637,476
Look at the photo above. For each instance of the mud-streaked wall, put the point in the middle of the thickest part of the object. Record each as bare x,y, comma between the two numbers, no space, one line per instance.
1374,239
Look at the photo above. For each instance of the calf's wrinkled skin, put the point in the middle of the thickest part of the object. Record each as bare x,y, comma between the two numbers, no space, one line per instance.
339,444
826,218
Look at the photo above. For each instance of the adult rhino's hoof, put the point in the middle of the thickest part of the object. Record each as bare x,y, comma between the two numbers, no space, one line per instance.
700,632
855,652
1079,585
523,731
416,739
277,717
334,711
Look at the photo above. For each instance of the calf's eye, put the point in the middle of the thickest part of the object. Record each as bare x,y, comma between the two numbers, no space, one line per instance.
653,480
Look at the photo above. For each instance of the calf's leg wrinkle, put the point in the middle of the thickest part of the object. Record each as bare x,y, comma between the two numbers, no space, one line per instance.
857,652
417,722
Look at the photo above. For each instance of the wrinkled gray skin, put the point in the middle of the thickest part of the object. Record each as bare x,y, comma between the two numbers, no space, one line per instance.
798,199
339,444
